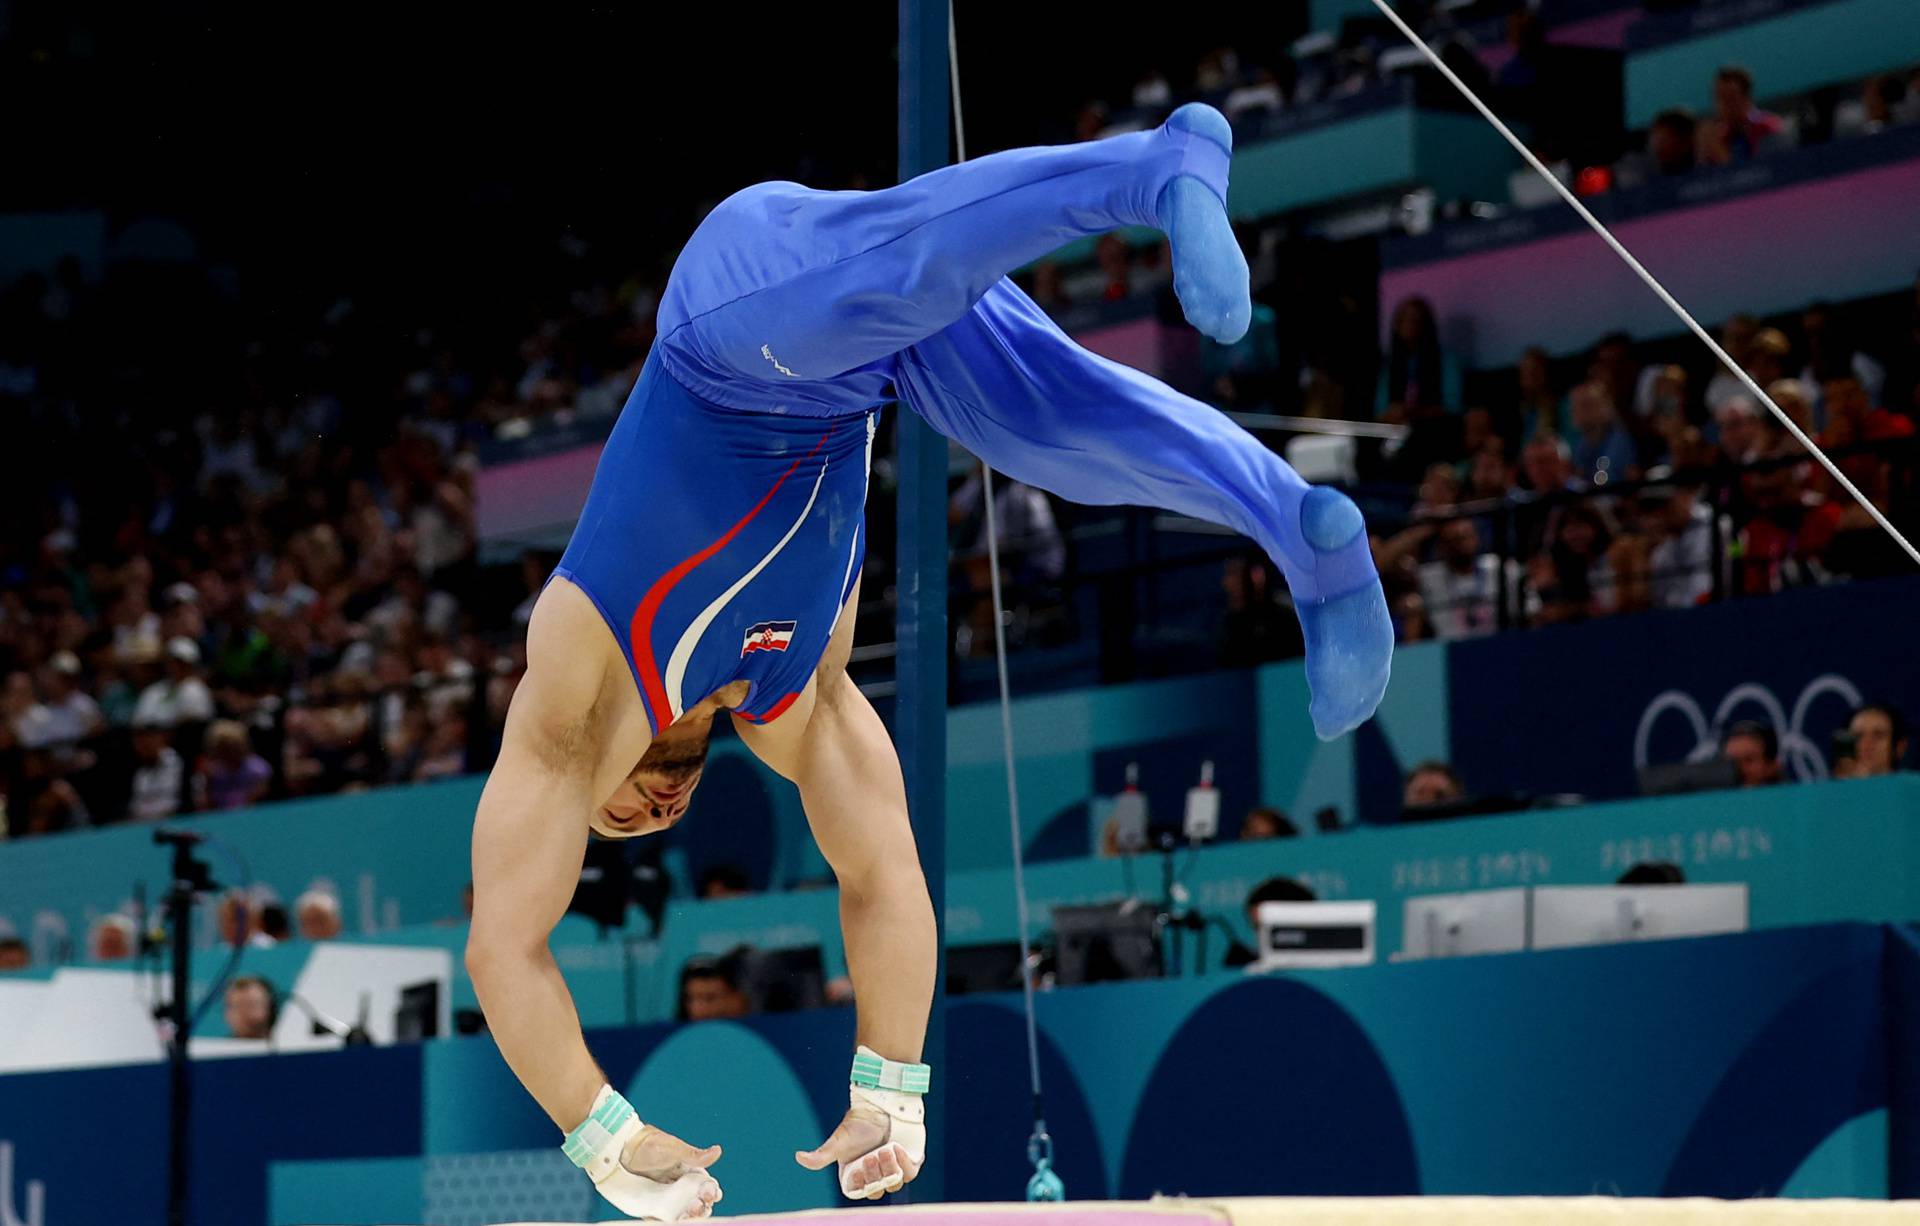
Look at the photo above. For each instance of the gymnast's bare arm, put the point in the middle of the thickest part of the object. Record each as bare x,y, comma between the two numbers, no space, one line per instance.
573,732
834,748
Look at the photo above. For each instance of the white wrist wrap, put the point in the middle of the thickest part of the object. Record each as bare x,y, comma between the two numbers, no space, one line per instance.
596,1147
907,1128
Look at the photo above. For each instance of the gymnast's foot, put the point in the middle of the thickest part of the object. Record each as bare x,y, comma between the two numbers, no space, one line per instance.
1349,637
1209,272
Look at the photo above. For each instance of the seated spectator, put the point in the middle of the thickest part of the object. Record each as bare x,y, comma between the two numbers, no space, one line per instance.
1258,627
1546,465
1671,143
710,989
1735,337
1432,782
159,775
1439,491
251,1007
1217,70
1832,354
181,697
1489,474
1754,750
1572,578
70,714
1629,561
725,881
14,954
1410,624
325,743
1460,586
1796,400
273,924
1659,413
1049,292
1784,519
27,721
1540,408
317,913
1852,417
1151,90
1265,822
1767,356
241,919
1680,565
1884,102
1121,276
1614,366
1738,422
230,774
1033,552
1273,889
445,754
1417,379
1738,129
1602,450
113,938
1263,93
52,803
1877,738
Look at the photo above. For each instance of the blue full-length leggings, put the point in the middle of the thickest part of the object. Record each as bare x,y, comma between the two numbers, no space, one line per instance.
820,303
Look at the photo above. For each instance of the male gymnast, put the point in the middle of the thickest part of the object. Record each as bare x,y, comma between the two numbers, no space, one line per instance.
717,563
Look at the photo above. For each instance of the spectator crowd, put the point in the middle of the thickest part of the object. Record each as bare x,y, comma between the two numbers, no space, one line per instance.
275,589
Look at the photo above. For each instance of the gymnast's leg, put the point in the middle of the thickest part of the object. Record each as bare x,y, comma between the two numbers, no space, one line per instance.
781,282
1007,384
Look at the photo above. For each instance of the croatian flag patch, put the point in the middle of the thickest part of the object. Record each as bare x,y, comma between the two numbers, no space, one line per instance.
767,636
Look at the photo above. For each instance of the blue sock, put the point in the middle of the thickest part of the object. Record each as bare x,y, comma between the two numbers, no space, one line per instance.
1209,271
1350,637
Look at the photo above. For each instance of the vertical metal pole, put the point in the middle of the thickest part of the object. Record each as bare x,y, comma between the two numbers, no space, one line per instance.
920,711
180,1072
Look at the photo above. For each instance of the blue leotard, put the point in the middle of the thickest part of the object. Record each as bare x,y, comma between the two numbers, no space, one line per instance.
723,532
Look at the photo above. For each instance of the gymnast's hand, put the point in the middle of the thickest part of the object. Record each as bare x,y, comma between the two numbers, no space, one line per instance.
662,1178
880,1145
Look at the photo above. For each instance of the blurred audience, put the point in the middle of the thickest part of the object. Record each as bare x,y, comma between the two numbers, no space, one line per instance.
230,774
1264,822
316,914
725,881
159,774
1432,783
1273,889
1738,129
1875,742
113,938
1754,750
1461,586
710,989
1418,378
1602,450
251,1007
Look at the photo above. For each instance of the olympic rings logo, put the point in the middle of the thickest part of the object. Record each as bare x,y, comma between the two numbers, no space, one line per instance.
1798,753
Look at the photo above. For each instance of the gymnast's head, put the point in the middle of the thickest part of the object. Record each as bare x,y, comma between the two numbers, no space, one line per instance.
658,789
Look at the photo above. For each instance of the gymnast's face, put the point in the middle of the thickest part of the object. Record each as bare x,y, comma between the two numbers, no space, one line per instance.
657,792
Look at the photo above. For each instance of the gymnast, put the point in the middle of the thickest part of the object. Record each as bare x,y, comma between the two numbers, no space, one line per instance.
716,567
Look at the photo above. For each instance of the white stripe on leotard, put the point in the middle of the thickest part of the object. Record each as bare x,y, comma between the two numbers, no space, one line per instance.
866,483
683,650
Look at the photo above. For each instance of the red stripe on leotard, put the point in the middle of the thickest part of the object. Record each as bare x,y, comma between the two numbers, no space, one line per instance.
640,633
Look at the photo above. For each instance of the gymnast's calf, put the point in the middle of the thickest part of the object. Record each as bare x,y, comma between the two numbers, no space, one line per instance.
716,568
